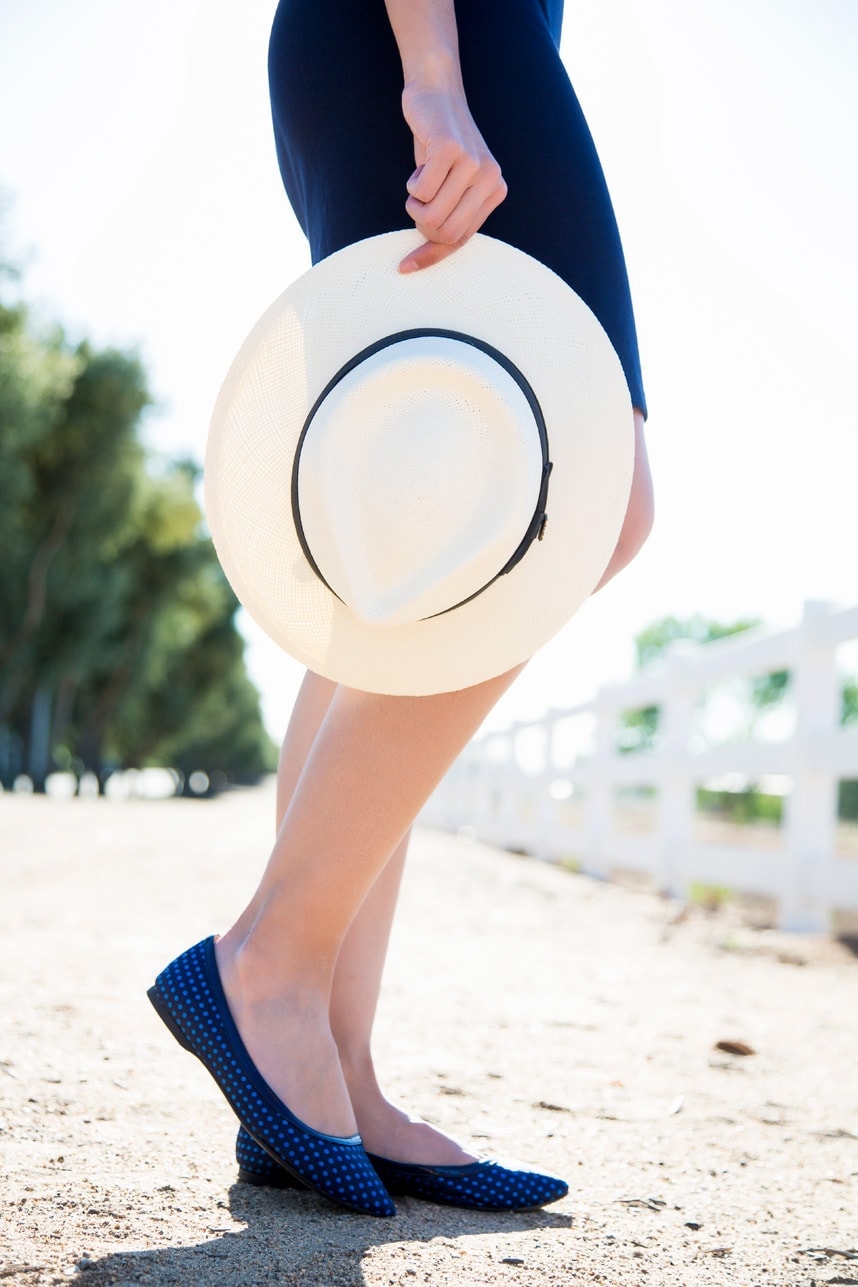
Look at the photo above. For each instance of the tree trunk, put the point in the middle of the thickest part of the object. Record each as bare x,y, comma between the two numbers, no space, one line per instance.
39,759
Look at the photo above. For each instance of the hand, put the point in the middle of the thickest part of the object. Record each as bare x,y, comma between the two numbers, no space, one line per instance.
457,182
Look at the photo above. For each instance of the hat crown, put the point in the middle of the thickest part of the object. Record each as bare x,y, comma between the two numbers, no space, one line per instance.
533,324
417,476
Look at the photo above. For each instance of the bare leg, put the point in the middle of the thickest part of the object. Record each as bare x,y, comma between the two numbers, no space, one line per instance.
639,514
358,970
372,765
360,964
385,1129
357,976
357,980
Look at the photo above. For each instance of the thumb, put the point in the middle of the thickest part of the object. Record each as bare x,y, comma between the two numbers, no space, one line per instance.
431,252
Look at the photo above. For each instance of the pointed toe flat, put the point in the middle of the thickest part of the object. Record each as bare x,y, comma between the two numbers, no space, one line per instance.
481,1186
189,997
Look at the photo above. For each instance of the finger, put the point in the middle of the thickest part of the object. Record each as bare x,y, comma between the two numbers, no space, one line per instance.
470,212
431,252
468,186
428,178
430,216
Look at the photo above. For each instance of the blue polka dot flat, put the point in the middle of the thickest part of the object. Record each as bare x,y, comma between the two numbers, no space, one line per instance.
484,1186
189,997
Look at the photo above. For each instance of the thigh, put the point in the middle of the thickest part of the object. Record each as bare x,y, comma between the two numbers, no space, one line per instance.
639,512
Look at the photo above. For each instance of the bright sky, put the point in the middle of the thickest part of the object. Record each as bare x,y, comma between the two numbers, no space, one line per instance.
136,154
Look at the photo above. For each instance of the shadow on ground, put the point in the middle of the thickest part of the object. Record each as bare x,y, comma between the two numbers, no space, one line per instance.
299,1240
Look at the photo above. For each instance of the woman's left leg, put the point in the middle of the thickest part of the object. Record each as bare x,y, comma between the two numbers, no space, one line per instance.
357,981
385,1129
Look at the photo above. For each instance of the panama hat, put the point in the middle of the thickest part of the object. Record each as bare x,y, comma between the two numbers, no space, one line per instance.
414,480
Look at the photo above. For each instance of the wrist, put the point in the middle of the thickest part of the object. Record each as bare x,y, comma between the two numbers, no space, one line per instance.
435,69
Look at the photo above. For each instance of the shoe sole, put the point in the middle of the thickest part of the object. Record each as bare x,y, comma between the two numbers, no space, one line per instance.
167,1019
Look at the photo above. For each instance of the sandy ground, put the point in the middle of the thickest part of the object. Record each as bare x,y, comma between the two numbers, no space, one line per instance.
537,1014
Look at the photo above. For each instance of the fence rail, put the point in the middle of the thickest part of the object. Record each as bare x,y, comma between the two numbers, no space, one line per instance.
520,789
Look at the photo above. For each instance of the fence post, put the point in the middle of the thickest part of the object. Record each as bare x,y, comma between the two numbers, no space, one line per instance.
542,838
485,807
511,781
811,808
677,800
598,807
481,817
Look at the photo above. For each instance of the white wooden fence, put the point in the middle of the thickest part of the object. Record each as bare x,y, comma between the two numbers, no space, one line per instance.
519,789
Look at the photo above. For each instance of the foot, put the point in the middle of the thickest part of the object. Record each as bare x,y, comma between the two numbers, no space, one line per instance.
388,1132
401,1138
481,1186
287,1034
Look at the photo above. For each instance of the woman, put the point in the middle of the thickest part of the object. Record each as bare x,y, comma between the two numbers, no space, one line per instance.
477,96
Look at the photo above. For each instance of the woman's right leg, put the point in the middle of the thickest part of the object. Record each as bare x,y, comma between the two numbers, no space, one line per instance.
386,1130
373,763
639,513
357,978
360,964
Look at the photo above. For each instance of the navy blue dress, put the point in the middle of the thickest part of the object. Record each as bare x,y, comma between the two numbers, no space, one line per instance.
345,151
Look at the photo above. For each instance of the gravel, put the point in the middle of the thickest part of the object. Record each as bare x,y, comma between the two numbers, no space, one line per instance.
693,1076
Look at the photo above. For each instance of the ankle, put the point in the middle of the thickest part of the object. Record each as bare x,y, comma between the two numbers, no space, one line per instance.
254,968
359,1072
357,1063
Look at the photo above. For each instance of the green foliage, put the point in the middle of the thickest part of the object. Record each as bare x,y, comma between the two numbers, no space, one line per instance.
653,643
118,644
208,710
769,690
709,897
847,800
742,807
639,730
847,794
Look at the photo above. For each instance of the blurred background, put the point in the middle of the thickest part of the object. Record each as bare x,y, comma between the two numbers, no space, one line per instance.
144,229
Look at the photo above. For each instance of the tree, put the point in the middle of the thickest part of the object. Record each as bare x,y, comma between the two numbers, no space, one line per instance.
656,640
206,711
117,628
639,731
36,378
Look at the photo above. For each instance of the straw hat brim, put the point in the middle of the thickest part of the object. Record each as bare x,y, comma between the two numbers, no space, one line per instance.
342,305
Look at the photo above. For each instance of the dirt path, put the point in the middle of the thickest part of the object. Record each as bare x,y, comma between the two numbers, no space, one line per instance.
537,1014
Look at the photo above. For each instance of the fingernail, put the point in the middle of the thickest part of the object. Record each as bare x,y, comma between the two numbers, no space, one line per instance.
409,266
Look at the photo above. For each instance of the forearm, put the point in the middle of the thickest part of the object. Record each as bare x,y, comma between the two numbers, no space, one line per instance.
457,182
426,36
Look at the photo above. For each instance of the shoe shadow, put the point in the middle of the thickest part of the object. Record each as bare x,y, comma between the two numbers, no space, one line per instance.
297,1239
